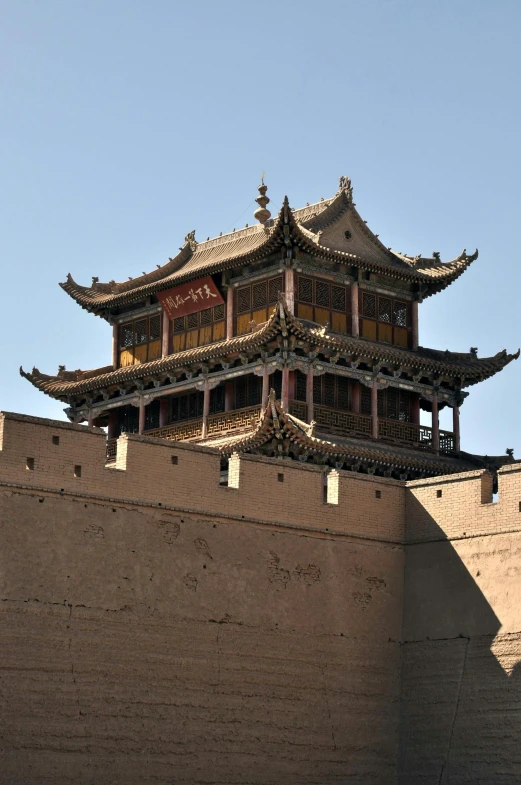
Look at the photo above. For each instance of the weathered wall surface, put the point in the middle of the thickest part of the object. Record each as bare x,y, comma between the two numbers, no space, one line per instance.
159,628
461,672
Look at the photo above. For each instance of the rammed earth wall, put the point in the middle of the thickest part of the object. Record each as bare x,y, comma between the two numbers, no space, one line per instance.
158,627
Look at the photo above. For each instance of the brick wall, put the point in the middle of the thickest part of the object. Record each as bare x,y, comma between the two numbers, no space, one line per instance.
157,627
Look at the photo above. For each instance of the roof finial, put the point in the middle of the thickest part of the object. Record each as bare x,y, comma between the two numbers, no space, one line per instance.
261,213
345,185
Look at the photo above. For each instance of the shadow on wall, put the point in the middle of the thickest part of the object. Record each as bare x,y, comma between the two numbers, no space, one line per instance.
461,675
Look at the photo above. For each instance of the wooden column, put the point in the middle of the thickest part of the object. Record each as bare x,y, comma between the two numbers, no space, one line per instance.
414,317
415,409
289,289
165,340
309,395
91,419
229,312
265,387
355,397
285,389
374,410
113,424
206,409
355,322
141,426
228,397
435,423
115,332
455,428
164,412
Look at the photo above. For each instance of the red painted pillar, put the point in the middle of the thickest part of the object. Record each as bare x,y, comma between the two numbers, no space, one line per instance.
414,314
91,418
165,339
206,410
229,312
141,426
374,410
265,387
112,424
455,428
355,397
164,412
415,409
309,396
435,424
355,322
115,333
285,389
289,281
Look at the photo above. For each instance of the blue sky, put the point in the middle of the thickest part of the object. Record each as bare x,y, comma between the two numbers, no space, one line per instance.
124,125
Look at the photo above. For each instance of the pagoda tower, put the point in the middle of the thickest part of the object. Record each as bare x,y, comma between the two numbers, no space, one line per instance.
296,337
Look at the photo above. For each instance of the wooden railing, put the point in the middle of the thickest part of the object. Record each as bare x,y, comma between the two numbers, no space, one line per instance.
188,430
298,409
233,422
341,422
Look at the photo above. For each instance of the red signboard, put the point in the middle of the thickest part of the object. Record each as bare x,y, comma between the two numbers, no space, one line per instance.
190,297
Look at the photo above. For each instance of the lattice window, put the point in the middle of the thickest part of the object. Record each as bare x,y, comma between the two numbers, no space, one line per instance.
365,400
400,313
244,299
259,295
322,294
128,419
338,298
301,386
241,392
385,309
179,324
381,403
126,335
369,306
155,328
405,406
392,403
343,398
276,383
218,312
192,321
217,399
140,340
329,390
140,332
305,289
275,286
206,317
152,416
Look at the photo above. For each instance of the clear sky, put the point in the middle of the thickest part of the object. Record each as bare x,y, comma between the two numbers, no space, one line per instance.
124,125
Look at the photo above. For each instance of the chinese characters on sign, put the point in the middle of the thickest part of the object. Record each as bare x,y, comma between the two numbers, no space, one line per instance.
190,297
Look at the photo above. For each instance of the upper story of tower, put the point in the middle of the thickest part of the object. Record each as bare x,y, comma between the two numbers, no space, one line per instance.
332,269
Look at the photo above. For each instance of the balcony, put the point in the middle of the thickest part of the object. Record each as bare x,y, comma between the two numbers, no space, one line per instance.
329,421
343,423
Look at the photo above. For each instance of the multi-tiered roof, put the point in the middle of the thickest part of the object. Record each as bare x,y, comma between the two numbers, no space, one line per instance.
366,346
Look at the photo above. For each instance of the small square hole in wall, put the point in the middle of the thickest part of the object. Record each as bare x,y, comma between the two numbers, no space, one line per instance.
519,506
174,459
77,471
439,494
29,464
55,439
280,477
378,494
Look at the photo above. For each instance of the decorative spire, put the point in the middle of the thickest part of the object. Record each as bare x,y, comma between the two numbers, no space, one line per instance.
261,213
